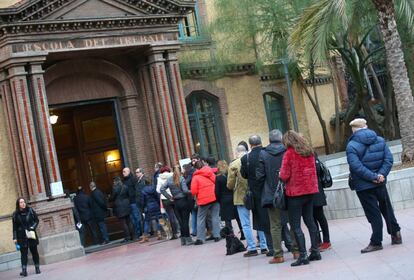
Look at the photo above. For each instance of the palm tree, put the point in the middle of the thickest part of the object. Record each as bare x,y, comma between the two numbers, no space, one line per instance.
324,19
398,72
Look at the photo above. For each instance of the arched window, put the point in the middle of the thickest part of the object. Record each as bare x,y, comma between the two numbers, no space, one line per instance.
275,111
206,125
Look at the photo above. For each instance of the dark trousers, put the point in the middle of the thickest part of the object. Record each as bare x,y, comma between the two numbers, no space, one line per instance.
169,208
320,219
302,206
128,228
375,202
24,252
182,211
103,230
92,229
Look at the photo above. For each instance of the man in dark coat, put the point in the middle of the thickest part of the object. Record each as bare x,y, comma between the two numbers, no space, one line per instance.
370,161
82,203
250,163
270,161
130,180
99,209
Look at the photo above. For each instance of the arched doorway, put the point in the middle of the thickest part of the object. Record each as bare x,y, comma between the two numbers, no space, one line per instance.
275,111
206,125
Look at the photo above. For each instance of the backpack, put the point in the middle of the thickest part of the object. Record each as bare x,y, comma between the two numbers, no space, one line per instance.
324,176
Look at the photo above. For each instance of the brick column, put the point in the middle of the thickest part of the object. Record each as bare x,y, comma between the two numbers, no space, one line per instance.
164,106
18,165
41,108
151,114
131,127
180,107
27,132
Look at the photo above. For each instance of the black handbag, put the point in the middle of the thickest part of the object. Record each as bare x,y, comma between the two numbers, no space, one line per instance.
248,200
279,198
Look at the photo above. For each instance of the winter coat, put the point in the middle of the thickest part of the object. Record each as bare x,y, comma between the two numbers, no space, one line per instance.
299,173
319,199
99,207
22,221
236,182
248,171
203,186
130,182
150,202
177,192
225,198
121,200
368,155
155,178
267,173
83,205
162,180
189,178
139,185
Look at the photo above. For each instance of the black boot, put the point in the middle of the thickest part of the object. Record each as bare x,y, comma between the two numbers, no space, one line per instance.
315,256
302,260
183,240
37,269
24,271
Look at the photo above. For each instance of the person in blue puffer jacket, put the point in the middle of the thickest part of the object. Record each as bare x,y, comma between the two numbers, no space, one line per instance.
370,161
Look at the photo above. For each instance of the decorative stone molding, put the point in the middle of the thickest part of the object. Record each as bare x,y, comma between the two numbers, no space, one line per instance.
39,9
211,71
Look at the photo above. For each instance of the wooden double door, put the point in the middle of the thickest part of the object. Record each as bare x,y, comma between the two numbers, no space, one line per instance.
87,145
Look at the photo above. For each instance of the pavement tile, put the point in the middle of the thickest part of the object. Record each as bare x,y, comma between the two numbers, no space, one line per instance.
170,261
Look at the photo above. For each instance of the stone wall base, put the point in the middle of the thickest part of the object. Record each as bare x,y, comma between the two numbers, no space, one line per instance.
60,247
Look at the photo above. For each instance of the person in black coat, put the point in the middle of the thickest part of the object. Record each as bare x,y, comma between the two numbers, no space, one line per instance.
25,219
224,196
188,176
319,201
270,161
99,209
250,162
82,203
130,181
122,208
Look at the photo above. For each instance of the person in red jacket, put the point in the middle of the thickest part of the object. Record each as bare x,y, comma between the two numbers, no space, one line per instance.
203,188
299,172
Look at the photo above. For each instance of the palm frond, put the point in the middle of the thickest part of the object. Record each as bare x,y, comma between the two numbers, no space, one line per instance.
405,13
315,27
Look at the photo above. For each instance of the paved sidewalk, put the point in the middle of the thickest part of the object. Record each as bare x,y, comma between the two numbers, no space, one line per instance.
168,260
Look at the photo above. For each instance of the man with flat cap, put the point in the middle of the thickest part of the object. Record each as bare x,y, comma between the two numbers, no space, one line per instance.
370,161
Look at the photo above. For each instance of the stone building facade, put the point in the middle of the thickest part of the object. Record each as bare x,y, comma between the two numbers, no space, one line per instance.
109,70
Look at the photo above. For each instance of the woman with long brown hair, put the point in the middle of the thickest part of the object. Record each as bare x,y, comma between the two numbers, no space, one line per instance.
299,172
25,222
181,196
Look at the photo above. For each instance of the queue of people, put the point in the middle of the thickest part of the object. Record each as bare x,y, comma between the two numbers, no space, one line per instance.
205,193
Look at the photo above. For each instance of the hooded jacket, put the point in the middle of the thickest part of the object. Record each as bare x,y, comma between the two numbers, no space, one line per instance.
368,156
267,172
299,173
161,181
203,186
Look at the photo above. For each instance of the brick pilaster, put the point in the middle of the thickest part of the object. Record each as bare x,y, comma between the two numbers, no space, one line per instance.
164,107
151,116
41,108
27,132
180,107
18,164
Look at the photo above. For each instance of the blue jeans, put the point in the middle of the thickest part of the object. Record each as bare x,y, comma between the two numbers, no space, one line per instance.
147,225
136,218
244,215
194,222
104,232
